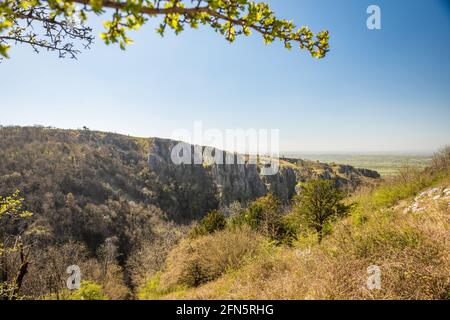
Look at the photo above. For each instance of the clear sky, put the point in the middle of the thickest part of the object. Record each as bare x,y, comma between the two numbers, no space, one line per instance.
377,90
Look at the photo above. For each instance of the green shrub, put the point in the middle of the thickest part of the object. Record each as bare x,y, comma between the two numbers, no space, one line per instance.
214,221
265,216
88,291
296,227
409,182
381,233
152,289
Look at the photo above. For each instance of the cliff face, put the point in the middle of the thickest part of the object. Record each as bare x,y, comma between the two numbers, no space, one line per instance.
244,182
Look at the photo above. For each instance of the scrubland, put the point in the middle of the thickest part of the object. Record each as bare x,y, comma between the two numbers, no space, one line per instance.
409,243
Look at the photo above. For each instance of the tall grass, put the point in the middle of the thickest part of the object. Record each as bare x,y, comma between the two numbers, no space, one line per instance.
405,185
410,249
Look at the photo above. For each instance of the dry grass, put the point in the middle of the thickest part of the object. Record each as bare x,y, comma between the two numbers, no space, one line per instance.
197,261
412,251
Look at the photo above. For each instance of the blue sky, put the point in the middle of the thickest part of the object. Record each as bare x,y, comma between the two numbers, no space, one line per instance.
377,90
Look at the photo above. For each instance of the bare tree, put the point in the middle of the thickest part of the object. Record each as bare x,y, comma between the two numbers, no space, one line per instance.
38,27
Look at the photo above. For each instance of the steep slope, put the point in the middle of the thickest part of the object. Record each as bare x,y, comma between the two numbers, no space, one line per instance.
91,186
407,244
96,167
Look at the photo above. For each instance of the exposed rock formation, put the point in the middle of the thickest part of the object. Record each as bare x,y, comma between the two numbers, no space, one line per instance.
429,198
244,182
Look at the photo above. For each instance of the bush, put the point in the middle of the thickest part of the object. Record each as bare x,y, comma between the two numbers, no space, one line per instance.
409,182
214,221
194,262
295,225
153,290
265,216
88,291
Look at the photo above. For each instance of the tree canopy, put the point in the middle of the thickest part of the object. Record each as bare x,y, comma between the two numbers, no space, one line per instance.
319,201
59,25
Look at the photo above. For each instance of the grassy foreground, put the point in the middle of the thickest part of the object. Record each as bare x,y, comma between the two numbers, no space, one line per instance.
394,226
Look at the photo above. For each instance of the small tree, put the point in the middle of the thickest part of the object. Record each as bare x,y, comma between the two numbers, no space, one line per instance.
319,201
265,216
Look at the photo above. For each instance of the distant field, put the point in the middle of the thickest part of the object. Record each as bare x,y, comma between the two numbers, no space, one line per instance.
385,164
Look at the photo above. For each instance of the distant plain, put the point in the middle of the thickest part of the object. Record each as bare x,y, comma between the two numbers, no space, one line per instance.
387,164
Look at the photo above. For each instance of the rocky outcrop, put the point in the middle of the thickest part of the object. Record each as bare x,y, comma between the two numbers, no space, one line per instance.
244,182
425,200
230,182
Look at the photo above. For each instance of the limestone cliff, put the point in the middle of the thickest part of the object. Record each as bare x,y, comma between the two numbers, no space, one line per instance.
221,184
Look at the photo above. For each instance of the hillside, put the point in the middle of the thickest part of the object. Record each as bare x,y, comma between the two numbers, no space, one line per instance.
97,167
400,228
410,246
